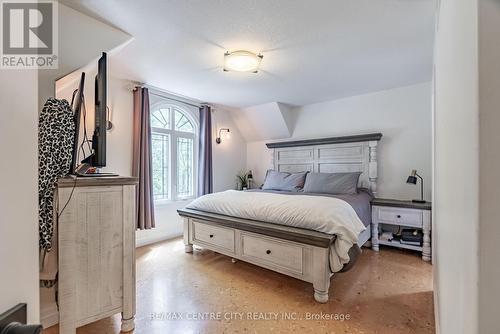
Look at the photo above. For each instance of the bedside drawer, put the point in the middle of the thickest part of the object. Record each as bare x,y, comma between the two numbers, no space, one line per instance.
398,216
272,253
216,236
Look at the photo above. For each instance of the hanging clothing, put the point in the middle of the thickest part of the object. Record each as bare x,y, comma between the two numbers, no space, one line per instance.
56,129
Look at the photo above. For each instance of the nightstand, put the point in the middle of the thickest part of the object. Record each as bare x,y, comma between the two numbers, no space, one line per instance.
404,214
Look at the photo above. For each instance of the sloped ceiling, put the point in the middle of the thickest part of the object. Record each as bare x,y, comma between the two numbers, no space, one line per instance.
82,39
266,121
313,50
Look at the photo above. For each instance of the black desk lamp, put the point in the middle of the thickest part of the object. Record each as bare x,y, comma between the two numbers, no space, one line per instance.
413,180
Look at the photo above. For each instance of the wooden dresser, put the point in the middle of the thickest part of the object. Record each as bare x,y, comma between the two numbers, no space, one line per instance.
96,250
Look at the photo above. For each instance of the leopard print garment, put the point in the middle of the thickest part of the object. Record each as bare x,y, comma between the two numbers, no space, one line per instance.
56,129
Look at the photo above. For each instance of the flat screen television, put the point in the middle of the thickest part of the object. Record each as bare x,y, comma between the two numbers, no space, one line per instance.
97,159
98,156
76,104
99,137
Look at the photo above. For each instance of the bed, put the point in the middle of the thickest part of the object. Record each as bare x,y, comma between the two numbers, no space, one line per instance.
303,253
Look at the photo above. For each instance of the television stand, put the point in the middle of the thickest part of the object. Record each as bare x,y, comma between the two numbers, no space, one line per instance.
97,175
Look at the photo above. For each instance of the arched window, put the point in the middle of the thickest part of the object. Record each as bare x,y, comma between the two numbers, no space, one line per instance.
173,134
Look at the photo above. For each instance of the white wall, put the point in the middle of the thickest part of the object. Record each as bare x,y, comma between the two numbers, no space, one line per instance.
119,153
467,186
402,115
18,191
456,169
230,156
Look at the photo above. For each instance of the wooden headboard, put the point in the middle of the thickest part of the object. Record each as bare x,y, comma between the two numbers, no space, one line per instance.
330,155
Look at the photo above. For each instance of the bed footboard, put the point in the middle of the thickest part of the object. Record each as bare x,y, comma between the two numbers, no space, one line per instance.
298,253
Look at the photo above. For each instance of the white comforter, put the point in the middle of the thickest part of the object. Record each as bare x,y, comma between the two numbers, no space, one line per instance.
324,214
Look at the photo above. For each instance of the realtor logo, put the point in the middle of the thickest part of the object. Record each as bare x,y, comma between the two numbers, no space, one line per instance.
29,34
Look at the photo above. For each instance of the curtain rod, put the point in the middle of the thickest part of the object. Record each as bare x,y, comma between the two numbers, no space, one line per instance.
161,93
173,99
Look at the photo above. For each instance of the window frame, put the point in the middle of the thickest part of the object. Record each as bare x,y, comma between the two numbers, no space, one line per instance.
173,135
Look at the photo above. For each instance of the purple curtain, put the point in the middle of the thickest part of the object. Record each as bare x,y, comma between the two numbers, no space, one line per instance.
205,175
141,160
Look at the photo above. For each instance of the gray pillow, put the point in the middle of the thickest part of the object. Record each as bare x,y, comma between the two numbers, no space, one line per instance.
284,181
332,183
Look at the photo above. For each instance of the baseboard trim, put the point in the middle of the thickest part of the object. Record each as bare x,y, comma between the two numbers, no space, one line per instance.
154,239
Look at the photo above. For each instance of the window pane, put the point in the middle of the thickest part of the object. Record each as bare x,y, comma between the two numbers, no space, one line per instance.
160,151
160,118
184,167
182,123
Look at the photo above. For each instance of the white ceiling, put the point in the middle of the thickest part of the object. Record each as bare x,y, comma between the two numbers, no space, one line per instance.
76,52
314,50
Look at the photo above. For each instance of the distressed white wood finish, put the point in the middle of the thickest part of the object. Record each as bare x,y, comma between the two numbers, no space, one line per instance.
188,247
374,239
68,269
364,236
400,216
96,255
331,158
303,261
426,229
272,252
373,166
129,228
218,237
287,257
410,217
321,274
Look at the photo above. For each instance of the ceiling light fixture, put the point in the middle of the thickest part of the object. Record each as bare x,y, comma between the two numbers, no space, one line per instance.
242,61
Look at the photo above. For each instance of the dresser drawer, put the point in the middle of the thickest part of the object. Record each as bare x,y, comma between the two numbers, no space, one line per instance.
273,253
216,236
399,216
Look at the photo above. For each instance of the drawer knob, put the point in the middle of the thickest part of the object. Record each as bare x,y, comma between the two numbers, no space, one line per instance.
211,235
399,216
268,251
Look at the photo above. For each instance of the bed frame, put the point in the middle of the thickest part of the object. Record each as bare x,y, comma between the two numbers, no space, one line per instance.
296,252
